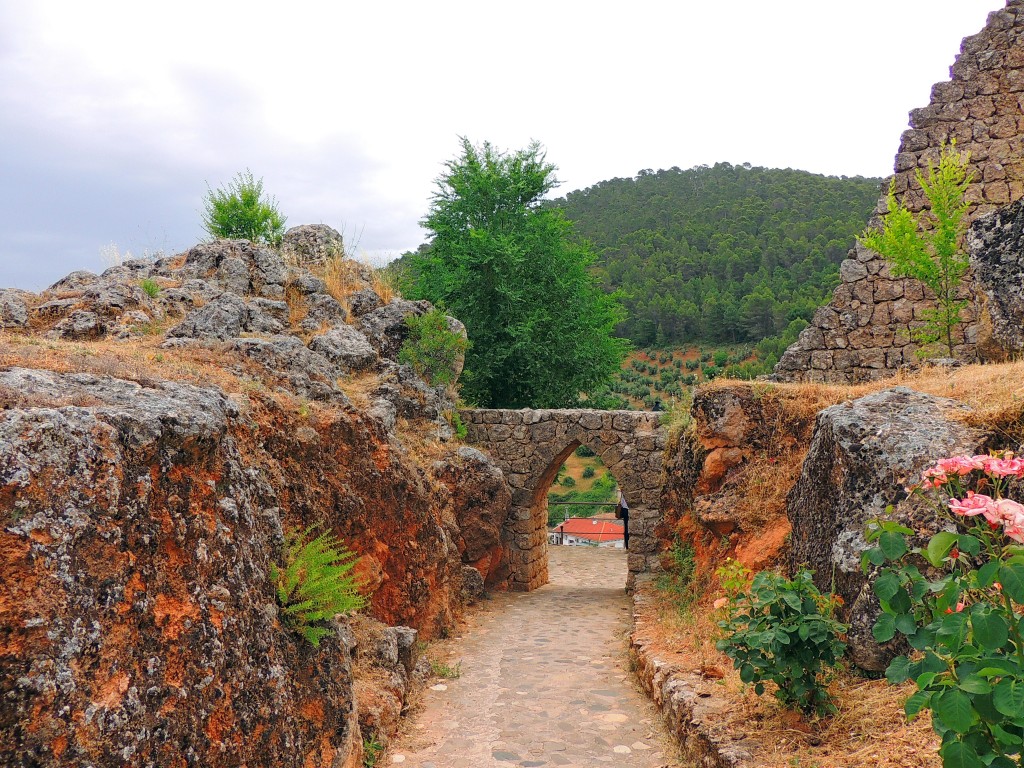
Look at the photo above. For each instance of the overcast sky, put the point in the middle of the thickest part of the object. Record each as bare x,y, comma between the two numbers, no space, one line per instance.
115,115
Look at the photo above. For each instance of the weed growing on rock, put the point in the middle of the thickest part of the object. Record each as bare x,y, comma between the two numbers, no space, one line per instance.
782,631
446,671
316,584
150,287
372,750
963,615
432,348
678,581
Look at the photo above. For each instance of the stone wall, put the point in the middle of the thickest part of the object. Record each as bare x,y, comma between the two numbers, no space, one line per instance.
865,332
529,446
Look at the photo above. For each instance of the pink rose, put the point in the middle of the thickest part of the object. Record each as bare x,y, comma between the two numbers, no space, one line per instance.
1004,467
974,504
961,465
1007,512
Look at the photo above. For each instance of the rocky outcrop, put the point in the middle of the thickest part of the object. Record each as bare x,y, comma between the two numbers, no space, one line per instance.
140,625
139,519
996,245
862,456
864,333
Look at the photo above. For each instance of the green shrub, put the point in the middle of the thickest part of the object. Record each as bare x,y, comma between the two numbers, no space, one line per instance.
783,631
431,348
316,584
584,452
677,582
458,426
241,211
568,482
150,287
588,472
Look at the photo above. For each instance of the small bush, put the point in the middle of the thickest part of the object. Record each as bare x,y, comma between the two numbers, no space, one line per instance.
431,348
150,287
588,472
584,452
372,750
240,210
783,631
678,580
316,584
568,482
458,426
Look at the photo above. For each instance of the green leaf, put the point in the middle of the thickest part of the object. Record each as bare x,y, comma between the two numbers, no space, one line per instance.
1011,576
884,629
892,544
990,629
885,585
916,702
954,709
939,546
974,684
898,670
956,754
906,624
971,545
987,574
1008,697
875,556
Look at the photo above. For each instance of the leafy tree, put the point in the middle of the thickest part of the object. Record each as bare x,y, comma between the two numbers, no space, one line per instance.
928,247
540,327
241,210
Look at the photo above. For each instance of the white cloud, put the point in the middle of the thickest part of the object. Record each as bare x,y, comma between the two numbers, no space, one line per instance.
114,114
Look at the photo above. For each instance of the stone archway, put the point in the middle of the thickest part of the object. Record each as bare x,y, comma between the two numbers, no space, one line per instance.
530,445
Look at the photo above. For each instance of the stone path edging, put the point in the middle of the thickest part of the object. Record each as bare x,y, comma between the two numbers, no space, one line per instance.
683,698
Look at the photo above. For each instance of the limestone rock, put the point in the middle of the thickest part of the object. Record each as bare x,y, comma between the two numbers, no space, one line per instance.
346,347
311,245
13,308
286,360
385,326
223,318
79,325
237,266
363,302
862,455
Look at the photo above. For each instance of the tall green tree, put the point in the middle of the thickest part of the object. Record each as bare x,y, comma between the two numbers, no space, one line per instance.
510,269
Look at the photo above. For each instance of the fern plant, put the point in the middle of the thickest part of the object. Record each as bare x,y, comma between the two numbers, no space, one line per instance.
316,584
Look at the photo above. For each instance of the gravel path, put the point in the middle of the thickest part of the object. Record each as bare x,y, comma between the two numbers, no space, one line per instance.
544,681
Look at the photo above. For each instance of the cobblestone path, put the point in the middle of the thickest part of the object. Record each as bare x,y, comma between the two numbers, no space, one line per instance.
544,681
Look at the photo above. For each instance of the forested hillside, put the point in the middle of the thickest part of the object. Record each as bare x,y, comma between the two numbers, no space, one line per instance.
720,254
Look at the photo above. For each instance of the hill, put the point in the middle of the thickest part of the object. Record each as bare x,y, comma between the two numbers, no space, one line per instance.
720,254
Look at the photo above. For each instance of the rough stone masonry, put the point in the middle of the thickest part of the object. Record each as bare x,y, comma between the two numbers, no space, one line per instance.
865,332
530,445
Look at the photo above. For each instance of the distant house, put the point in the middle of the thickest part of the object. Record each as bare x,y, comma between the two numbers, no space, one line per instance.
588,532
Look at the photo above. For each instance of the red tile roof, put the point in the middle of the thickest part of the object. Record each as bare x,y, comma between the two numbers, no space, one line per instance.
592,529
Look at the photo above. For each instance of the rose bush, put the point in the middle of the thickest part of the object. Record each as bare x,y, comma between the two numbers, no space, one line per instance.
958,600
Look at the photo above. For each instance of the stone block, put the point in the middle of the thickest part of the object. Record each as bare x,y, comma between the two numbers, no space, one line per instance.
887,290
851,271
826,318
821,360
836,340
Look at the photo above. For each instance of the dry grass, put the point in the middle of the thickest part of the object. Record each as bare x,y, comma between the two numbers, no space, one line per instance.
994,392
343,278
385,284
869,730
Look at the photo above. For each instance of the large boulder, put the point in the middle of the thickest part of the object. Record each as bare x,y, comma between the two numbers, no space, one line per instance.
481,502
237,266
346,347
385,326
311,245
996,246
863,455
140,625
